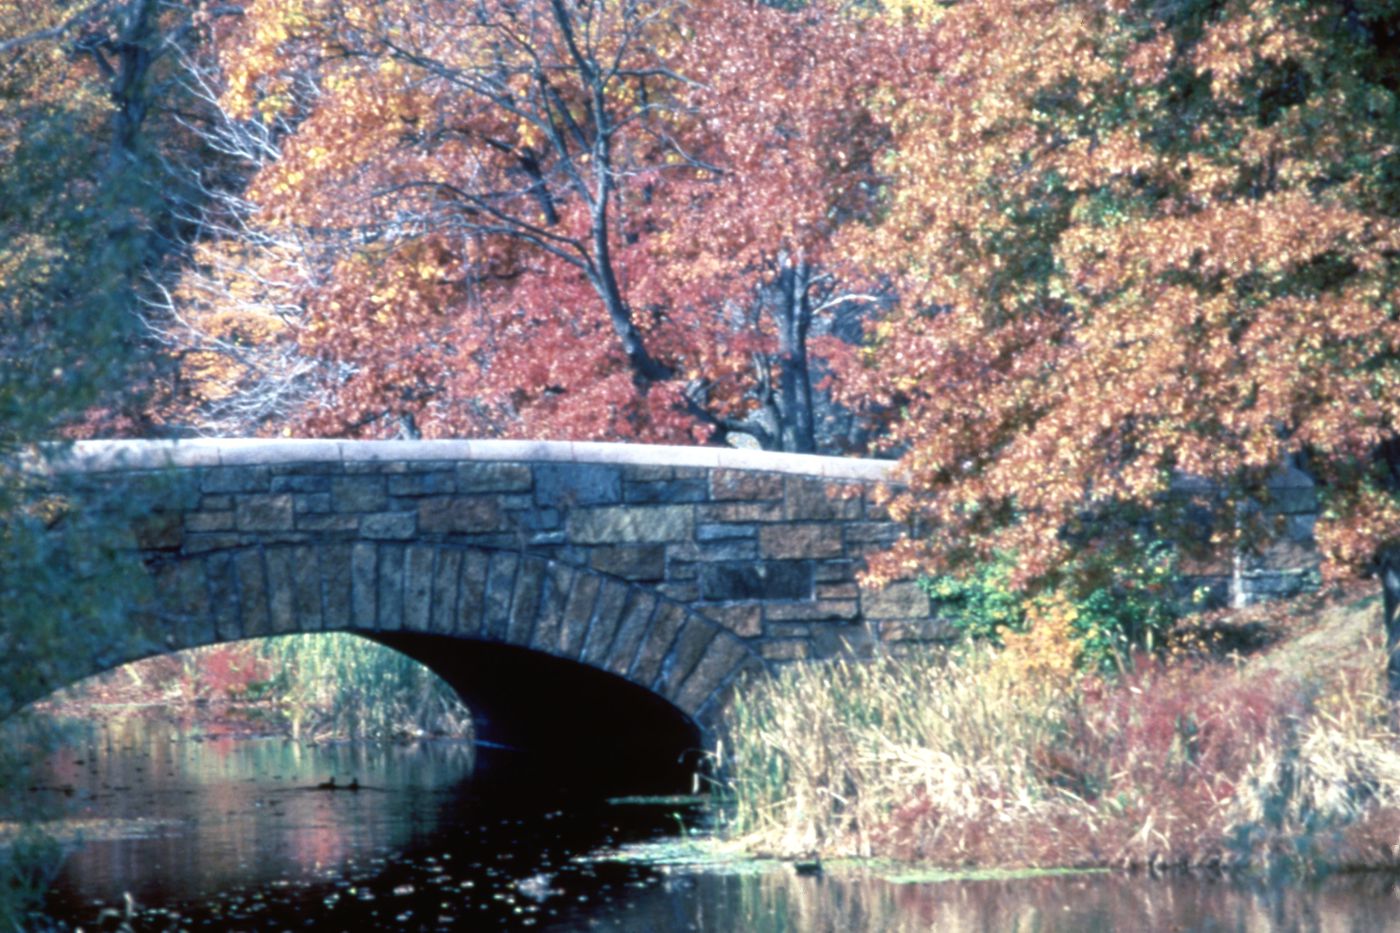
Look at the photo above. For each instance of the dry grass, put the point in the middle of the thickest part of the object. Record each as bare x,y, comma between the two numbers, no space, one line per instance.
1286,757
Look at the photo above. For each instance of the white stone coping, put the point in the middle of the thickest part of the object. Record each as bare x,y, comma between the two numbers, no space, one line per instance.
105,456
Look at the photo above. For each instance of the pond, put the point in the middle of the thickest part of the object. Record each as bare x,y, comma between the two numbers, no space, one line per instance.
174,830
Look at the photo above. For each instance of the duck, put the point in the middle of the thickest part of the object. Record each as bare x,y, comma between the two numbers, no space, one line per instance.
327,785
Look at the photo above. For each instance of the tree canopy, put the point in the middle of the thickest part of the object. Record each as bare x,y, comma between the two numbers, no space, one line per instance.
606,220
1138,242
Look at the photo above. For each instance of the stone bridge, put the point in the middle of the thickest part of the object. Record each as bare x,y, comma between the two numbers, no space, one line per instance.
600,599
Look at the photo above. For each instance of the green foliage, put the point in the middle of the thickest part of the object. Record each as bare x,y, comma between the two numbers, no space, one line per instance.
28,863
345,685
1117,605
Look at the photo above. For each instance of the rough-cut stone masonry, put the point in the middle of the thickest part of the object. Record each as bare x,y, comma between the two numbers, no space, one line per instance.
675,568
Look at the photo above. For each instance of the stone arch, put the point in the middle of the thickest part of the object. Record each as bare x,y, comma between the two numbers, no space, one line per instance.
436,599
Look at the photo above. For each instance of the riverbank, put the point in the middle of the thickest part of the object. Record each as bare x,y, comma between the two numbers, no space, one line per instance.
1258,739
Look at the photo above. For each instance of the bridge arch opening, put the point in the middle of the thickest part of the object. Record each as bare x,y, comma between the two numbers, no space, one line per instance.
539,721
576,726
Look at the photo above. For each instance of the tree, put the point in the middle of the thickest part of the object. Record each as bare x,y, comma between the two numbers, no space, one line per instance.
600,220
84,226
1139,241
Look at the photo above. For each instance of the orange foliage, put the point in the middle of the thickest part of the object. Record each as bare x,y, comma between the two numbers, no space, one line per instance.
1131,248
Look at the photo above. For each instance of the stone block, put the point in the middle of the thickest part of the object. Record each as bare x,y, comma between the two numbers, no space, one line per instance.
1279,583
720,660
215,541
208,521
682,591
790,649
328,523
799,540
744,580
236,479
549,624
745,484
311,502
689,647
264,512
307,609
745,621
905,600
645,562
829,641
420,572
834,571
461,515
526,600
389,526
877,534
651,654
739,512
736,549
812,610
814,500
221,587
215,504
612,600
568,485
303,483
630,630
252,594
489,476
389,582
648,472
500,586
631,524
838,591
281,590
471,592
364,587
725,532
184,597
337,570
358,493
446,571
578,614
676,490
423,483
915,630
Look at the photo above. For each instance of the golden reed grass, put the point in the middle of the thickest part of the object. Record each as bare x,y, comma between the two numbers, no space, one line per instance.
1012,758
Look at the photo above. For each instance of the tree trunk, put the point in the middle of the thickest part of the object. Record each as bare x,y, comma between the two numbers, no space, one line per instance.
797,427
1390,588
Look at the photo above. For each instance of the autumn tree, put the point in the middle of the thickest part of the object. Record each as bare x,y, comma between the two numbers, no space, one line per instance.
87,224
1139,241
601,220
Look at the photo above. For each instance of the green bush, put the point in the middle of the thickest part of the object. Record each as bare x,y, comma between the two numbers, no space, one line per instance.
1120,605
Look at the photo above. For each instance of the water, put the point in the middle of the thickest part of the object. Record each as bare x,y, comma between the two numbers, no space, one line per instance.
232,834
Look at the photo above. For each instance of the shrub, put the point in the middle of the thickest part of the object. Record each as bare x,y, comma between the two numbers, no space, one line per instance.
1113,606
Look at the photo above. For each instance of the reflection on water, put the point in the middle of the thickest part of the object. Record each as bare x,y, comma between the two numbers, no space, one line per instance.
779,900
231,834
229,810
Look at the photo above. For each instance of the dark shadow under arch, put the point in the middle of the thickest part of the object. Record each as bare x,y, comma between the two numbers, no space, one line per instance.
577,727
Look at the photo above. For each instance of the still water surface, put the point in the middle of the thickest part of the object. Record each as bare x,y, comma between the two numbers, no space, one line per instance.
232,834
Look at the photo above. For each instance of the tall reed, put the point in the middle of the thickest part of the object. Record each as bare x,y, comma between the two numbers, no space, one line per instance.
344,685
978,757
822,757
